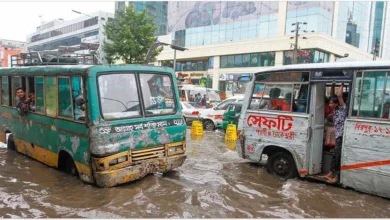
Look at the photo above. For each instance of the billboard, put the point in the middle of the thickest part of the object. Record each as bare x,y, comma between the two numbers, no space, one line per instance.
327,6
189,14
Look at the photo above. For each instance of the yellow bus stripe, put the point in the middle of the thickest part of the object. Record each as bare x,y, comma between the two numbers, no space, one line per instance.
48,157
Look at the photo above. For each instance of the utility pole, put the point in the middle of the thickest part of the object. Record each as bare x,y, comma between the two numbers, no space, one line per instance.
296,43
296,48
376,49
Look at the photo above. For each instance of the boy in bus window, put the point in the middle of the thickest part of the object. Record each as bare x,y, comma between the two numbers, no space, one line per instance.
337,103
23,102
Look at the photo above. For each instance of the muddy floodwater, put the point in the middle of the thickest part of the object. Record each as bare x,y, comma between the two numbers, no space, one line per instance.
213,182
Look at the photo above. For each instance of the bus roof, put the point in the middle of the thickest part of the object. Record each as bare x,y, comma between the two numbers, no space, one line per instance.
337,65
81,69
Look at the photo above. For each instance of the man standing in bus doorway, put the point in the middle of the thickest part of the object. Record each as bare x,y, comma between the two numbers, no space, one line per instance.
337,103
23,103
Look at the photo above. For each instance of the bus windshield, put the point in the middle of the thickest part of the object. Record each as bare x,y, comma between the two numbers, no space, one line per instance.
119,97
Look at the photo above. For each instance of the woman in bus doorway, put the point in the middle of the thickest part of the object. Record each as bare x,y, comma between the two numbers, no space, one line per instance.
337,104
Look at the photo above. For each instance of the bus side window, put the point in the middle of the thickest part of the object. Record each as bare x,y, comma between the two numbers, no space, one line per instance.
301,98
77,91
39,94
30,85
371,99
277,97
65,105
16,82
5,91
51,95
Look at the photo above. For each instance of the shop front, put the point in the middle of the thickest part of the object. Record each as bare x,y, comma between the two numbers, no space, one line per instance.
191,78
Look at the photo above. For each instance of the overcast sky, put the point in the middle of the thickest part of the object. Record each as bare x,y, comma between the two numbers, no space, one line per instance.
18,19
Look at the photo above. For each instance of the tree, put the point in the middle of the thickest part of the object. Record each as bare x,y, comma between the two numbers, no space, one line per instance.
130,35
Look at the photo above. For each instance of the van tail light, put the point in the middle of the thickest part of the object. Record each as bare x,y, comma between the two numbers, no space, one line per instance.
195,113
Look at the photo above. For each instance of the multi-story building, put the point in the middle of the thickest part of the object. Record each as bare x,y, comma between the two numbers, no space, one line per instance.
85,29
12,44
225,39
9,48
157,10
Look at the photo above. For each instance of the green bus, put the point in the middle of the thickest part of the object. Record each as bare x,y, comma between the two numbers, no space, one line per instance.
108,124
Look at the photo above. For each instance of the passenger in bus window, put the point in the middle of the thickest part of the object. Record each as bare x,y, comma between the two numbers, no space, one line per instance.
23,102
276,102
337,103
287,103
273,103
31,106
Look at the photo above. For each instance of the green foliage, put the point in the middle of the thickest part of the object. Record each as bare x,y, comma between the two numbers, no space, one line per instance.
130,35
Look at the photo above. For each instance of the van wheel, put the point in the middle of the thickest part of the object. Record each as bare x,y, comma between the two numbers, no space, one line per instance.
70,167
282,164
11,143
208,125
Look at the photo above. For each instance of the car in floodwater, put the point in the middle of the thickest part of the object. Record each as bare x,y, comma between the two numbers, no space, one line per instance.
191,111
108,124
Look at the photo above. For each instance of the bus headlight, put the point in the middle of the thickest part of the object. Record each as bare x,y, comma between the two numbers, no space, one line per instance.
113,162
122,159
175,149
118,160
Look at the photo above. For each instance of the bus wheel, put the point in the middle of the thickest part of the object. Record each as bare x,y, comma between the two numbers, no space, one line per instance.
70,167
282,164
208,125
11,143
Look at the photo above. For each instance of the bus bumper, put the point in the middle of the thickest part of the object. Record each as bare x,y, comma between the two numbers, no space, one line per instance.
127,174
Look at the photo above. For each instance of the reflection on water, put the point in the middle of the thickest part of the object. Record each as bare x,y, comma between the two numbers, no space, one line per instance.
213,182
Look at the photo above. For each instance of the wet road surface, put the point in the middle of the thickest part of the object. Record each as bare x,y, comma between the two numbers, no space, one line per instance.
213,183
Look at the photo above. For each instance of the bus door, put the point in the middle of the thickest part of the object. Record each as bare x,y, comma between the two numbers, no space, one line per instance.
365,158
316,129
319,82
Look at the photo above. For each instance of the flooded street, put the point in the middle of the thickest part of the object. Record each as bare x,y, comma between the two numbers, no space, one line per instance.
213,182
